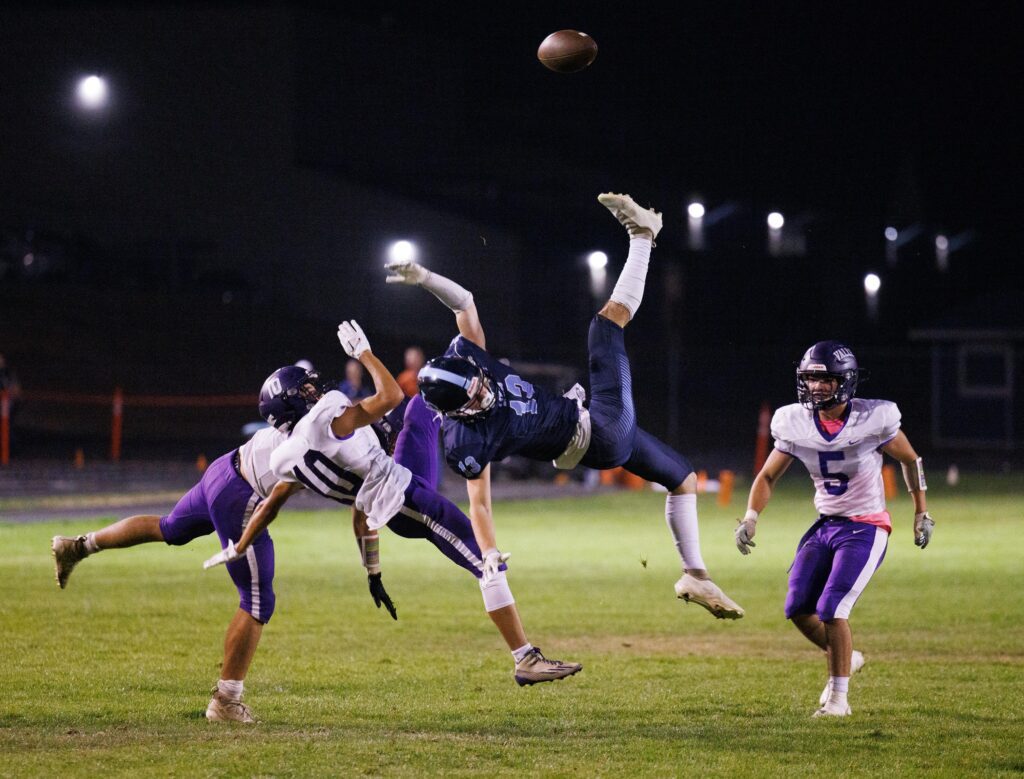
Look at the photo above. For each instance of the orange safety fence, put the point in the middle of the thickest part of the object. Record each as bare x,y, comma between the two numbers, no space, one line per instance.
117,400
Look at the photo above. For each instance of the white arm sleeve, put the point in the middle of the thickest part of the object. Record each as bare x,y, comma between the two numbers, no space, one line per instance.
456,297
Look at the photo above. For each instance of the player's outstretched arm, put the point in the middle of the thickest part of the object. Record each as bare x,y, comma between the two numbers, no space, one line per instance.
760,493
388,394
482,519
455,297
369,551
265,513
900,449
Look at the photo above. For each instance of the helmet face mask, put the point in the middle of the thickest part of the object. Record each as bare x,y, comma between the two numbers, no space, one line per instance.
288,394
827,376
457,388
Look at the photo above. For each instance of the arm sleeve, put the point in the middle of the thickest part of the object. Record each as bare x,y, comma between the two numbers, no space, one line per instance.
780,432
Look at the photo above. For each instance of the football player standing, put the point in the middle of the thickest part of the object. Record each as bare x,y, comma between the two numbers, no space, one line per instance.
491,412
840,439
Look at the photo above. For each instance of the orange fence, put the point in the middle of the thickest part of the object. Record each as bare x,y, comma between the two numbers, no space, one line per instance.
117,401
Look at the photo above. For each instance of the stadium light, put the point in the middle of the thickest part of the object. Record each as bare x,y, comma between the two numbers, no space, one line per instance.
402,251
891,234
941,243
695,210
597,260
776,220
92,93
695,225
942,253
872,283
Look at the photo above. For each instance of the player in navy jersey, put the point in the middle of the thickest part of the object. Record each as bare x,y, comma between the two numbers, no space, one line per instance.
840,439
491,412
331,449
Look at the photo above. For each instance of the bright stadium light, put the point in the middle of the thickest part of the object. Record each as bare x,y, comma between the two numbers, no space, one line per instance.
775,220
92,93
402,251
597,260
872,284
695,210
891,234
941,243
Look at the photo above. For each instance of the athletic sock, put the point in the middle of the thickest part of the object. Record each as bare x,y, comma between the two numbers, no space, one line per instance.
523,651
91,547
231,688
629,289
681,516
840,684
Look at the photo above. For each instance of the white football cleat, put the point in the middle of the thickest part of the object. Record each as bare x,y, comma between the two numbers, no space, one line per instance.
224,709
856,663
706,593
636,220
67,553
831,709
536,668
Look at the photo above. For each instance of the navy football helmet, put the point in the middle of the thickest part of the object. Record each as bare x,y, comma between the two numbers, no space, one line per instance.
831,360
449,385
287,394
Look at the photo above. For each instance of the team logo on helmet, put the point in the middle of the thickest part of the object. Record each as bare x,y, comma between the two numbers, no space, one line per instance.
287,395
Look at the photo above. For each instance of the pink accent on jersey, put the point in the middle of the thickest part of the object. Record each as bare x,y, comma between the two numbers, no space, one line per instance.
832,426
881,519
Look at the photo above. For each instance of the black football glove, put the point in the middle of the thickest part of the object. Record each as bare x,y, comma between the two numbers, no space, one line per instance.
380,595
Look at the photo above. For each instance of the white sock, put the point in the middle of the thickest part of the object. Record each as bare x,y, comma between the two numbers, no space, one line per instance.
840,684
523,651
681,516
91,547
629,289
232,688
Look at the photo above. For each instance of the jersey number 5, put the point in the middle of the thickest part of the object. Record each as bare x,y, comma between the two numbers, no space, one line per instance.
835,483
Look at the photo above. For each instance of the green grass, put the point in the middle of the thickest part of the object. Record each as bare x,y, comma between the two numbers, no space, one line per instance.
111,676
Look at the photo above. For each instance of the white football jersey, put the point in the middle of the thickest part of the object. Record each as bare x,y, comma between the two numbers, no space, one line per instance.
254,457
847,468
349,470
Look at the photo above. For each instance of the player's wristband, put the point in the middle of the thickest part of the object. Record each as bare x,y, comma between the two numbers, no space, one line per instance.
751,515
369,550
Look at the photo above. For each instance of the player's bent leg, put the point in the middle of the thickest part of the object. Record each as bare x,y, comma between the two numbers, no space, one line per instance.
417,447
612,414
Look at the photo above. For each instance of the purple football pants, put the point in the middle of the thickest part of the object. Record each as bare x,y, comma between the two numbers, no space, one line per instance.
426,513
224,501
834,563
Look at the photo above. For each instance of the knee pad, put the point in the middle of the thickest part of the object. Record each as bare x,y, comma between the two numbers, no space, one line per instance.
497,593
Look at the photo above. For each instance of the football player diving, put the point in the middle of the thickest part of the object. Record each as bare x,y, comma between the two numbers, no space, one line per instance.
840,439
331,449
490,412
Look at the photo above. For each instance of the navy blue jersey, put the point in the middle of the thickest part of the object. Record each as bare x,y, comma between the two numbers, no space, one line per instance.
525,420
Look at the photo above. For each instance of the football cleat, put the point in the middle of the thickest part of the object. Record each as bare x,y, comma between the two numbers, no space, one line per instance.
856,663
536,668
224,709
706,593
831,709
67,552
636,220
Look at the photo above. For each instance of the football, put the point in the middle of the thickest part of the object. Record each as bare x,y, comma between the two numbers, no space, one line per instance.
567,51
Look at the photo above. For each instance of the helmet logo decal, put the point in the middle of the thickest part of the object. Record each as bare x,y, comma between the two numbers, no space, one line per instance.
842,353
274,385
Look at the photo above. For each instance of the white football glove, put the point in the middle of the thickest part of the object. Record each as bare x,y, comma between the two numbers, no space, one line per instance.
745,534
353,339
225,555
923,527
405,272
492,562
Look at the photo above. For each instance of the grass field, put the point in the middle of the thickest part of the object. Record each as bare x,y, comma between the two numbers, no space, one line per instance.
111,676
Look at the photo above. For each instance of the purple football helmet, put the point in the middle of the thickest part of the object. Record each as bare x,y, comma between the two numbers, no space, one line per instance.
828,360
287,394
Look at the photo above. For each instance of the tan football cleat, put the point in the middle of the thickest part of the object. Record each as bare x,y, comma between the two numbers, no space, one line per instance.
224,709
536,668
67,553
706,593
636,220
856,663
831,709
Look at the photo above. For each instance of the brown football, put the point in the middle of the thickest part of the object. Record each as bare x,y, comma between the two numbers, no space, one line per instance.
567,51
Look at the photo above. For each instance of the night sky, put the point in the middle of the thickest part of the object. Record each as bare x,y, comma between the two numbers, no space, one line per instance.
247,146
